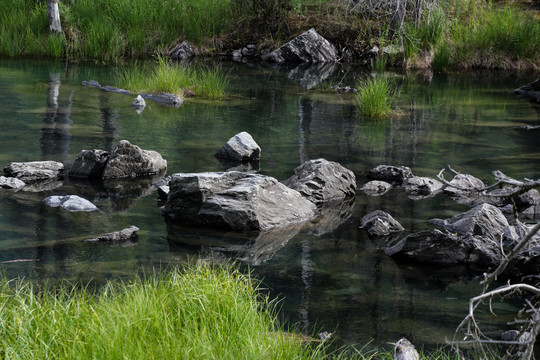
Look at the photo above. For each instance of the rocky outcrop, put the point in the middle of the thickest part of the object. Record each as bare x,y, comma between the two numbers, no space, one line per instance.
89,164
530,91
127,234
234,200
321,181
183,52
70,203
380,223
34,170
376,188
421,187
240,148
128,161
11,183
309,47
391,174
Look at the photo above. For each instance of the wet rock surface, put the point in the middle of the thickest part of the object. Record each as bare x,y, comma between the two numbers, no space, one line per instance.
128,161
376,187
70,203
34,170
89,164
127,234
391,174
240,148
321,181
234,200
11,183
380,223
420,187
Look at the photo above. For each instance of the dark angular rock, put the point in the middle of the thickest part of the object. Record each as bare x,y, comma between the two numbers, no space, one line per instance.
532,213
530,91
89,164
128,161
234,200
11,183
308,47
393,174
376,187
184,51
127,234
380,223
240,148
421,187
321,181
34,170
70,203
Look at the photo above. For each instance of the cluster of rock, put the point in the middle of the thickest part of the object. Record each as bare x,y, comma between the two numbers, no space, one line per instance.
473,237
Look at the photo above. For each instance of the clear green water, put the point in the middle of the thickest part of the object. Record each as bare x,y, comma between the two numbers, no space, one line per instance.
333,279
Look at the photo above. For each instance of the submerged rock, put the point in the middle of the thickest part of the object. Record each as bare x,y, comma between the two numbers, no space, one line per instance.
376,188
530,91
34,170
321,181
240,148
70,203
309,47
380,223
127,234
234,200
11,183
89,164
392,174
128,161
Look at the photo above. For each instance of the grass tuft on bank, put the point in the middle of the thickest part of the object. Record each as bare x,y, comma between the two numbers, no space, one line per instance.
201,312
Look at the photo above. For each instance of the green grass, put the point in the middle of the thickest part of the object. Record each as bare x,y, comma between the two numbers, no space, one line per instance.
176,78
199,313
375,97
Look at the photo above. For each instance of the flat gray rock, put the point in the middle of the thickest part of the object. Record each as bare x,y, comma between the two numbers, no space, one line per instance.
70,203
11,183
34,170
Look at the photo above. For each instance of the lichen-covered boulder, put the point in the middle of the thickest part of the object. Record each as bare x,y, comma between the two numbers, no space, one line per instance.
89,164
321,181
234,200
128,161
34,170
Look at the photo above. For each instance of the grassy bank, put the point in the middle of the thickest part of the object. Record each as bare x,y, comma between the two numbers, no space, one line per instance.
199,313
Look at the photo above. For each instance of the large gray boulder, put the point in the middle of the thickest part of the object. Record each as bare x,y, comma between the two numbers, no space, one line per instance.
70,203
34,170
380,223
234,200
388,173
240,148
11,183
128,161
309,47
89,164
321,181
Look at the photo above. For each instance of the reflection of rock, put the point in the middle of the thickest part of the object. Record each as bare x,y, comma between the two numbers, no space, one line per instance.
380,223
45,185
127,234
11,183
234,200
251,247
385,242
392,174
376,187
249,167
34,170
331,216
530,91
321,181
70,203
89,164
240,148
310,75
421,187
128,161
309,47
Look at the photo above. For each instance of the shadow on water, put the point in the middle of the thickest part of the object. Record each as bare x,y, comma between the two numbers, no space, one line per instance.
328,272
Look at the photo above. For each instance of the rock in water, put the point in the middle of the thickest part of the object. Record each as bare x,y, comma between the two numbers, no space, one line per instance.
309,47
34,170
390,173
321,181
380,223
129,160
11,183
89,164
376,187
240,148
234,200
404,350
127,234
70,203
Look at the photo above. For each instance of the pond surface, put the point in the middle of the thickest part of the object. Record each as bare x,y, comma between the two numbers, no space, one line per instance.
328,276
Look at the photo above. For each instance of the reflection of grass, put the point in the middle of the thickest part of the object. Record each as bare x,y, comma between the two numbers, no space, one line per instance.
375,97
373,134
174,78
